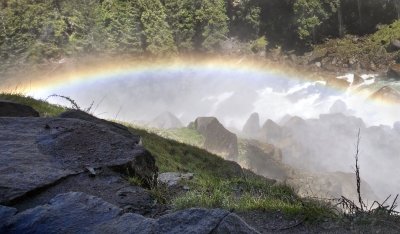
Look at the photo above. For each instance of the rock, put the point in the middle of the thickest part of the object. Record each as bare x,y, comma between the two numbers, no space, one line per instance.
80,213
338,83
357,80
115,127
66,213
271,131
263,159
251,128
166,120
11,109
338,107
6,213
172,179
317,55
217,138
37,152
394,72
107,185
394,45
388,94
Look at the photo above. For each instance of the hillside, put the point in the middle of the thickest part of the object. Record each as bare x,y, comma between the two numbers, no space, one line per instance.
216,184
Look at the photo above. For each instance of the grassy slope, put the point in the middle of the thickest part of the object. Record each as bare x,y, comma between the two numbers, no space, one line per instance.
218,183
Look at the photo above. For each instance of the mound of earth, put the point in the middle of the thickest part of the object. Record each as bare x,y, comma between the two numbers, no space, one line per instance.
75,212
11,109
166,120
217,138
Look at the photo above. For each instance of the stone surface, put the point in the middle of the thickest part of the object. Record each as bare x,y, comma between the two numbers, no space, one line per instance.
107,185
217,138
80,213
251,128
11,109
166,120
6,213
37,152
115,127
172,179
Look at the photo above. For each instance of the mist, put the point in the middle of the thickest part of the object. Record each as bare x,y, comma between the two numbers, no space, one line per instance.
324,141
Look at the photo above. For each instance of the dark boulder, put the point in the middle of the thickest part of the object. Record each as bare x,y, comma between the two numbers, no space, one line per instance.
11,109
251,128
80,213
115,127
217,138
38,152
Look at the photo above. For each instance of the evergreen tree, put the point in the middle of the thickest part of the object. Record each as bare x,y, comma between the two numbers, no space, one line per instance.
159,39
213,20
181,18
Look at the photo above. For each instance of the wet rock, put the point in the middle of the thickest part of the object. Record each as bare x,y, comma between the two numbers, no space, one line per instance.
80,213
357,80
172,179
317,55
217,138
166,120
11,109
394,72
115,127
251,128
338,83
37,152
387,93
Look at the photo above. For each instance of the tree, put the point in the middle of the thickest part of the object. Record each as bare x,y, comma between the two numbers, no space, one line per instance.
244,19
121,23
312,13
213,22
158,35
181,18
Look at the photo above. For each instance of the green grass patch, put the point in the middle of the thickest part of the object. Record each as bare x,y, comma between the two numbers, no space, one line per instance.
44,108
250,194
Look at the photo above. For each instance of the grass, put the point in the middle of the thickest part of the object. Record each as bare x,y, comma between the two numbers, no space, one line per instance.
44,108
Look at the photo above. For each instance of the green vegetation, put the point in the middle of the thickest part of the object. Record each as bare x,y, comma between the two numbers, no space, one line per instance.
46,31
43,107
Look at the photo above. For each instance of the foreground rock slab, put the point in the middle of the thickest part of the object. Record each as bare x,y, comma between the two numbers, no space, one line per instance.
38,152
11,109
80,213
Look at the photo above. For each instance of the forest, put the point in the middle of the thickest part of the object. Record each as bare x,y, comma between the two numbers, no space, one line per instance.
33,31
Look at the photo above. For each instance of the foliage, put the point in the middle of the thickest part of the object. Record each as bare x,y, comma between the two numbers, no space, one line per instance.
387,34
259,45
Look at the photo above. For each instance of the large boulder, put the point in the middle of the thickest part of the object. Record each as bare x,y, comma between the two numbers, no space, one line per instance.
12,109
217,138
251,128
166,120
37,152
80,213
394,72
112,126
271,131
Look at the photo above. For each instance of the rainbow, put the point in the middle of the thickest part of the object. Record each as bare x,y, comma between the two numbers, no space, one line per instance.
61,75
